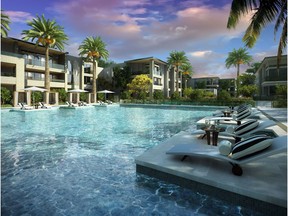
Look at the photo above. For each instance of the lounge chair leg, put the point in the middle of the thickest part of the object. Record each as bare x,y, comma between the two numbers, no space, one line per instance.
237,170
184,157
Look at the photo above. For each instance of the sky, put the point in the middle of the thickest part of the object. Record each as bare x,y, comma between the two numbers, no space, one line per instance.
149,28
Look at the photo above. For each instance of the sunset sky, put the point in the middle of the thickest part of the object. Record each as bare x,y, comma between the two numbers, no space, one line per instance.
144,28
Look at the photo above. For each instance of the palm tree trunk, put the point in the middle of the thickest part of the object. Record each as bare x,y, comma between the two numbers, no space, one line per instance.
237,80
47,70
94,87
177,83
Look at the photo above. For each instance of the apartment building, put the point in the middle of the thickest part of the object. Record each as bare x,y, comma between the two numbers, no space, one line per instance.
23,65
213,84
268,76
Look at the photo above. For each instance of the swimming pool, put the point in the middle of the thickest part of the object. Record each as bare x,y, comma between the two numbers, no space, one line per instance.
81,162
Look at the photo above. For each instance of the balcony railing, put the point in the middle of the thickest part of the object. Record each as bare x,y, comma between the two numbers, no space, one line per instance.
42,79
8,74
275,78
42,64
12,54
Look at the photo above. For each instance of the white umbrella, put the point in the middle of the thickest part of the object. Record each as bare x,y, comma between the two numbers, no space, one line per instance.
106,92
34,88
77,91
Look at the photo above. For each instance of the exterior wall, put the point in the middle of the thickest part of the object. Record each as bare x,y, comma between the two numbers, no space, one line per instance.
22,65
268,77
18,78
155,69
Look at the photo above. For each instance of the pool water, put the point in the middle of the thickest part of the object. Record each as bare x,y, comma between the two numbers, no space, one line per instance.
81,162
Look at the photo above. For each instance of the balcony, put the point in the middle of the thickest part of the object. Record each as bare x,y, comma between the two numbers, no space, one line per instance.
37,65
275,78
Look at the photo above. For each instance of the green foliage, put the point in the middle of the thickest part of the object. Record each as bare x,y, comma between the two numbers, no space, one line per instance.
197,94
247,79
93,49
6,96
102,83
101,96
175,96
187,92
37,96
139,87
46,32
224,84
281,90
63,95
5,22
266,12
254,67
281,96
158,95
224,96
121,77
126,95
83,96
248,90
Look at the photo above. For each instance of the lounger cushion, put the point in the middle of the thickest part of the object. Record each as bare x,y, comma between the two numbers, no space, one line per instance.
250,145
225,147
246,127
242,115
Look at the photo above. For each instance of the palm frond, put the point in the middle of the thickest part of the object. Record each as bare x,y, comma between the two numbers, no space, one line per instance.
5,21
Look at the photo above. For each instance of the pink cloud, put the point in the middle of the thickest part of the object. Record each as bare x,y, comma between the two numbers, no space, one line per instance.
19,16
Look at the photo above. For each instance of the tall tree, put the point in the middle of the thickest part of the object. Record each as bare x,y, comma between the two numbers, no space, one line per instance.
264,12
5,22
140,85
176,59
187,72
49,34
253,68
236,58
93,49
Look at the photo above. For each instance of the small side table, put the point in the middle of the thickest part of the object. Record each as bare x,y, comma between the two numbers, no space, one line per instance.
227,113
212,133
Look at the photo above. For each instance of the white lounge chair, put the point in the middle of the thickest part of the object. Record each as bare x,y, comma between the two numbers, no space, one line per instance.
44,106
25,106
70,104
242,130
279,145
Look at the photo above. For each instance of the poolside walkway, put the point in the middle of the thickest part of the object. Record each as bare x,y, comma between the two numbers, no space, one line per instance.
263,185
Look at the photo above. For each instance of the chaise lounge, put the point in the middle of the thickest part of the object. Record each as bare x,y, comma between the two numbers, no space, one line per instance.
248,150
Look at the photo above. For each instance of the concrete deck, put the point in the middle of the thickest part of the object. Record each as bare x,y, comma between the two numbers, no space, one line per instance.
262,186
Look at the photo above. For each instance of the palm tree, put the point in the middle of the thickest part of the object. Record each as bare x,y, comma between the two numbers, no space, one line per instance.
5,21
187,72
236,58
48,34
264,12
176,60
93,49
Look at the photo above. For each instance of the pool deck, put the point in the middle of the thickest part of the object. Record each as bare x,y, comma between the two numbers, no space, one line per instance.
263,185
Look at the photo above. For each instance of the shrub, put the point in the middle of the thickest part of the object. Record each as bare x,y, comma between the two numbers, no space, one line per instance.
175,96
6,96
158,95
197,94
187,92
224,96
63,95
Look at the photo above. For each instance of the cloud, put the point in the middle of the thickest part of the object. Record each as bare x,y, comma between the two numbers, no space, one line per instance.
19,16
135,29
201,54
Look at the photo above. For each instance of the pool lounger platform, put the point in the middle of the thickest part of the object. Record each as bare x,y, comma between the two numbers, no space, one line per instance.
279,145
263,184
